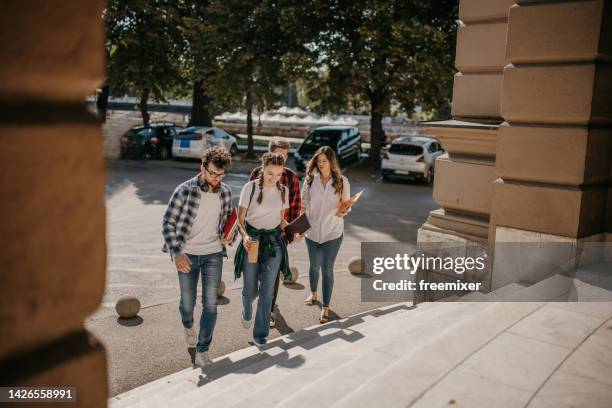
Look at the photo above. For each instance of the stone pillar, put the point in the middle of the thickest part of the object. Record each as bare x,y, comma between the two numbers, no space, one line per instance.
52,181
555,148
464,177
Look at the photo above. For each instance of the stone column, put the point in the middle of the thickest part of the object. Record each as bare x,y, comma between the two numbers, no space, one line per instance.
52,178
464,177
554,151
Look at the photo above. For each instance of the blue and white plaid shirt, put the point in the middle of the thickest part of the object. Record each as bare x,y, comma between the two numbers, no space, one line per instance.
182,209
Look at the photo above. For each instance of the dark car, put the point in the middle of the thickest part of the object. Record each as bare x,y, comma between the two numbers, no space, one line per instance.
153,141
344,140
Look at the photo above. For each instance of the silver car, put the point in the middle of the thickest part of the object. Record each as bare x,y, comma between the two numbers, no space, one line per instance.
191,142
411,157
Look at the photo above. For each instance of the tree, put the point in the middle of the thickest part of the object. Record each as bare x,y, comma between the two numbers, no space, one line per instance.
195,67
143,49
249,49
383,51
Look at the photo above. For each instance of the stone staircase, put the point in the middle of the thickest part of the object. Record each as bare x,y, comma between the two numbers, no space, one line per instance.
474,351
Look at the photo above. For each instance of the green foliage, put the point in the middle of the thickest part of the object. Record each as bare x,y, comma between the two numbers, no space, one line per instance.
142,47
358,55
402,49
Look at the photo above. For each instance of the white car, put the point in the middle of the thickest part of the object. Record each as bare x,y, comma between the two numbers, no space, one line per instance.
411,157
191,142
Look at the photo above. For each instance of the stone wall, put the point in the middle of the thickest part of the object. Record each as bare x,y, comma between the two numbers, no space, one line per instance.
530,149
555,147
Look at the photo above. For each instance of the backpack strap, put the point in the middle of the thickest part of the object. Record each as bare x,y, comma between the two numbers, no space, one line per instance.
251,197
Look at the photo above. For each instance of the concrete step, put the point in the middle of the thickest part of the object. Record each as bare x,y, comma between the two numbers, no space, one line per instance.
421,367
298,359
444,353
546,290
244,357
505,291
330,385
317,362
474,297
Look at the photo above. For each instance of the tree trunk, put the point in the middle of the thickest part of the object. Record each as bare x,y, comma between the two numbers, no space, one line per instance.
249,105
377,134
200,114
102,103
144,111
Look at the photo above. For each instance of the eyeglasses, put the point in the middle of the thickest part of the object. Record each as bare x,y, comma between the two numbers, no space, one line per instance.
214,174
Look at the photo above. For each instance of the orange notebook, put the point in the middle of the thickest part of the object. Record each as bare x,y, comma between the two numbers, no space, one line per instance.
345,205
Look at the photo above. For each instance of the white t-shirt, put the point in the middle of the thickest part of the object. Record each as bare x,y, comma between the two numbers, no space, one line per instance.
266,215
204,238
321,205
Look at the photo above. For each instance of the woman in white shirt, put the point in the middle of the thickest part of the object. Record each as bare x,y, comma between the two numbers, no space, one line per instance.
323,191
261,218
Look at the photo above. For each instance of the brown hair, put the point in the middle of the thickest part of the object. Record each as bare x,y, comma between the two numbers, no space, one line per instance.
274,159
278,142
217,155
336,174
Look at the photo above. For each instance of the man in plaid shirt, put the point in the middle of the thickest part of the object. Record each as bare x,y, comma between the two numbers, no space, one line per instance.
192,228
292,181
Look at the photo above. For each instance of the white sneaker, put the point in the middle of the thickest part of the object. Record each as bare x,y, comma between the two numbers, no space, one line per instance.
272,320
246,323
202,359
258,345
191,337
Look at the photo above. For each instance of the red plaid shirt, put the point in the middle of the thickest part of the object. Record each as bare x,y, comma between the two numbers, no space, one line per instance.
292,181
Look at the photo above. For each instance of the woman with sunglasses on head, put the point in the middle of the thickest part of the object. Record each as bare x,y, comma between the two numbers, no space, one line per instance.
262,206
324,189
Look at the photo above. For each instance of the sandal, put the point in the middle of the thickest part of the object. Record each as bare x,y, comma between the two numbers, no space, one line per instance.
324,316
311,299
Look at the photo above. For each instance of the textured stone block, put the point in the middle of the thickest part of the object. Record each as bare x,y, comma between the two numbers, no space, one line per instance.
463,223
568,212
465,138
464,186
478,10
53,258
477,95
53,50
481,47
559,155
77,360
571,31
558,94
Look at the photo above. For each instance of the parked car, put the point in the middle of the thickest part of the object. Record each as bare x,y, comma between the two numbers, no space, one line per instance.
190,142
153,141
345,140
411,157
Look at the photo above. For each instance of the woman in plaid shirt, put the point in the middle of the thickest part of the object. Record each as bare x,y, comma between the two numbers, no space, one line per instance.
291,180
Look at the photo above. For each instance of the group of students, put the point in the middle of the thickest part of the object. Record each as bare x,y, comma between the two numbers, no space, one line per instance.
199,208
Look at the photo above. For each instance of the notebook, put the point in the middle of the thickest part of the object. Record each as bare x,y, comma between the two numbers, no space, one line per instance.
349,203
298,226
230,226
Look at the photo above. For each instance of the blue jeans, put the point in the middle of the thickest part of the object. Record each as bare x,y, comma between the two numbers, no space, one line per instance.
259,278
322,257
209,267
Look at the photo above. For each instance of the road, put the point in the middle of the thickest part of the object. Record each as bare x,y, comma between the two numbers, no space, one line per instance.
152,346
